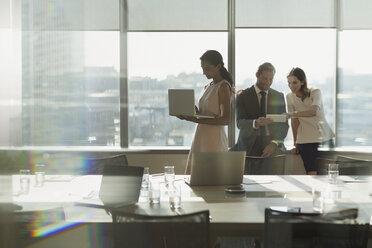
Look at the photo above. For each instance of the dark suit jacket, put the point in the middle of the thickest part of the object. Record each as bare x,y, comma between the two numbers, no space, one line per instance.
247,110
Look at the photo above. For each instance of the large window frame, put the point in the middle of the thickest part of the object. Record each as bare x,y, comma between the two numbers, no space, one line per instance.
339,24
231,28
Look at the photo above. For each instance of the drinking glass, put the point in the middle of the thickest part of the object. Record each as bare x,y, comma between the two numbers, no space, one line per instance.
145,178
39,175
174,193
154,192
332,173
24,181
169,175
318,201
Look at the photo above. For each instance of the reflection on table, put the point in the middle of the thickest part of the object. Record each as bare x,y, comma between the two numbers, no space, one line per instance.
231,214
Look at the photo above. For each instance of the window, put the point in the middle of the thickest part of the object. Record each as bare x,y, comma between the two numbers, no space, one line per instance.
87,73
354,96
11,88
70,88
158,61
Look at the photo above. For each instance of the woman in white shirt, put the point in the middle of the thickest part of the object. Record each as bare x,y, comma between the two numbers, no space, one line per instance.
309,126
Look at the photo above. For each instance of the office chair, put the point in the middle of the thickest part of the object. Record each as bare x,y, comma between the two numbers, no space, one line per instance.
346,165
354,166
135,230
309,230
32,226
322,164
273,165
94,166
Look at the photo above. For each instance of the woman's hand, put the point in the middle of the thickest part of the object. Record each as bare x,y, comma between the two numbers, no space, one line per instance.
294,150
187,118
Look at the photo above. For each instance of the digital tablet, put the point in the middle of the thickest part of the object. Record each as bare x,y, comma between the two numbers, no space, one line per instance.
277,118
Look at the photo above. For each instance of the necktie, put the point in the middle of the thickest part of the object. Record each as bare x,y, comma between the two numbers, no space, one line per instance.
263,111
263,104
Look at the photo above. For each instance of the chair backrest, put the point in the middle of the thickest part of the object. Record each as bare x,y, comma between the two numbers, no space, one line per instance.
307,230
274,165
347,165
354,166
322,164
134,230
94,166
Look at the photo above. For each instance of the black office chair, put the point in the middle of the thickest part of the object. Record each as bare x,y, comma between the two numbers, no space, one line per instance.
134,230
32,226
274,165
346,165
309,230
322,164
94,166
353,166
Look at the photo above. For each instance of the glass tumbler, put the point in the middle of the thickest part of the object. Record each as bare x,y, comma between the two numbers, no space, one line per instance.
333,173
169,175
24,181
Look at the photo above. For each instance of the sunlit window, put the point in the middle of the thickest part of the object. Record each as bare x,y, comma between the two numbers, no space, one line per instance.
70,88
156,62
355,88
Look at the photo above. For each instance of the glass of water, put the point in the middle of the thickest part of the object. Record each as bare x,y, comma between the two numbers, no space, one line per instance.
154,192
169,175
318,201
145,178
24,181
333,173
174,193
39,175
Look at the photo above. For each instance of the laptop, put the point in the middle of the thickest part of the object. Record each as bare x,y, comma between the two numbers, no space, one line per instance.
217,168
182,102
120,186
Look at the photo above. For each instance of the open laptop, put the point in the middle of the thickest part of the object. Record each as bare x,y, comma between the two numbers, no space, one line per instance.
217,168
120,186
182,102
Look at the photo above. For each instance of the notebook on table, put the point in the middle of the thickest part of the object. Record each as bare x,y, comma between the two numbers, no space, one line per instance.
217,168
182,102
120,186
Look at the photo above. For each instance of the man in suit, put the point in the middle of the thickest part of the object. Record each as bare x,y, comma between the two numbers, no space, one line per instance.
260,136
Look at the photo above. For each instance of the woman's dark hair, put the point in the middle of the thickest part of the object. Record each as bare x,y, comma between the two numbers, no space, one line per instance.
300,75
215,58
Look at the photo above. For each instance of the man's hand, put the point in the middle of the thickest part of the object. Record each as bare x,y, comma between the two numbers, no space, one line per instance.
262,121
269,150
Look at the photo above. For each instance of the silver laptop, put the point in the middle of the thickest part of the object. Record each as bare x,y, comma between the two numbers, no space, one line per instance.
217,168
182,102
120,186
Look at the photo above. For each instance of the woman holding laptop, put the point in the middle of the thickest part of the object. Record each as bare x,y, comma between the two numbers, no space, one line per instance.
309,126
215,101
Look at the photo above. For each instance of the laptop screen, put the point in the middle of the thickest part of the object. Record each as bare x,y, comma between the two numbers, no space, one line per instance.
217,168
120,186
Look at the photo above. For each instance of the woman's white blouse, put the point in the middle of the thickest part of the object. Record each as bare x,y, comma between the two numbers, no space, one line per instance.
313,129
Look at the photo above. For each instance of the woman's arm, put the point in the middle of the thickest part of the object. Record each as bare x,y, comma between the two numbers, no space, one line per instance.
224,100
308,113
295,123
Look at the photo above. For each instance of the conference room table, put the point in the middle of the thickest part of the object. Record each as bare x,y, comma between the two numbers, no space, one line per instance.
240,214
